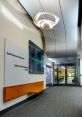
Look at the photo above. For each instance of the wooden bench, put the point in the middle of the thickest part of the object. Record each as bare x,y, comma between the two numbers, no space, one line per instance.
36,91
13,92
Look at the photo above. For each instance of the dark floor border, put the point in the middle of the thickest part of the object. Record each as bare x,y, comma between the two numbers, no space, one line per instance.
49,85
19,103
72,85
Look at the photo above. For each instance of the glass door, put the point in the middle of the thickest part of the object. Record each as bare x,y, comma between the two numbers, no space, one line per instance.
65,75
71,77
61,75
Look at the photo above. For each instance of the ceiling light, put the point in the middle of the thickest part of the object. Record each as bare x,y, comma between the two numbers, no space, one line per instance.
45,20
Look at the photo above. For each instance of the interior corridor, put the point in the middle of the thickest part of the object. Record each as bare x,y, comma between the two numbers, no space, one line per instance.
54,102
40,58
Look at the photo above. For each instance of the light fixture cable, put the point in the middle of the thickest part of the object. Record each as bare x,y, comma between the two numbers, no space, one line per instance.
55,40
41,4
63,24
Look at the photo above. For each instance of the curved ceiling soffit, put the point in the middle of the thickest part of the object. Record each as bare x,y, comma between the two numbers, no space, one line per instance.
41,32
61,42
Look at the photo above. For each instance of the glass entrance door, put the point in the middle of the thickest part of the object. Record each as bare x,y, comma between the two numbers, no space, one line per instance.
71,79
61,75
65,75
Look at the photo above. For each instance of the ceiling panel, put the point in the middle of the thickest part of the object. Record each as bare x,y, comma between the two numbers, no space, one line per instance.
63,60
70,14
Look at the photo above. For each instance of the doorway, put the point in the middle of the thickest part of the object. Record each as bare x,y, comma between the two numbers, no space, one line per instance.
65,74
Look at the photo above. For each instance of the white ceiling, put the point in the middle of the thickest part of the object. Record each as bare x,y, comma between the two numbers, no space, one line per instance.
63,60
62,40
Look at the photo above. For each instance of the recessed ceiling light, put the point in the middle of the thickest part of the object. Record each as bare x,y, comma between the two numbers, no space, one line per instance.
45,20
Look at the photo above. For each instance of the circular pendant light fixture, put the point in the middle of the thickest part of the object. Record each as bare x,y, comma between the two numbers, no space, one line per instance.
45,20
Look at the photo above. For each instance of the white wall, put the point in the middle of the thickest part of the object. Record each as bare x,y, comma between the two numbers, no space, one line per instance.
81,37
80,71
81,58
13,33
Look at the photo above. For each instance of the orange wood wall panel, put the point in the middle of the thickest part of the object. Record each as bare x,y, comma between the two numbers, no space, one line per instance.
13,92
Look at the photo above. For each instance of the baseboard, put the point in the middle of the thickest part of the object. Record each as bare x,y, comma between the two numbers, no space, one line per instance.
18,104
49,85
71,85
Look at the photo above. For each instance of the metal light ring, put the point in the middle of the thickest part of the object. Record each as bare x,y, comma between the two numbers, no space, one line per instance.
42,22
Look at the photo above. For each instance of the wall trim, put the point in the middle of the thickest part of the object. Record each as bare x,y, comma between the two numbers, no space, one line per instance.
67,85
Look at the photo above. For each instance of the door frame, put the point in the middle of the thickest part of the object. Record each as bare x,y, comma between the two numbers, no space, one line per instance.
66,83
47,66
